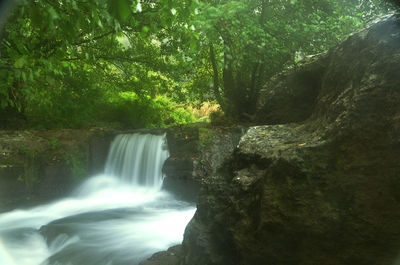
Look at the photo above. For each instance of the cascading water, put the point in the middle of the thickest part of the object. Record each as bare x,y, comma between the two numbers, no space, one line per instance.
118,218
138,159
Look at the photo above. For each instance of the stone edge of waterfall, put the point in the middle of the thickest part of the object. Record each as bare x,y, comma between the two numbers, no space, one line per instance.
188,145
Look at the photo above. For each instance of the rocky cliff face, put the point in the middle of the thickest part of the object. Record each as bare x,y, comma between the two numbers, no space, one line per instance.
323,190
196,151
44,165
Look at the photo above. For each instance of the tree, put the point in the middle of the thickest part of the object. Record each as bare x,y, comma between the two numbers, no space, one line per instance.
63,59
71,53
248,41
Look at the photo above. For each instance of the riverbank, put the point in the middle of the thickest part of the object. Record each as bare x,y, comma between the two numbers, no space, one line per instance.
38,166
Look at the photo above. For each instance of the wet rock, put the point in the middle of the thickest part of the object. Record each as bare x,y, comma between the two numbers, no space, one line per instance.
323,190
37,166
172,256
291,95
196,151
98,151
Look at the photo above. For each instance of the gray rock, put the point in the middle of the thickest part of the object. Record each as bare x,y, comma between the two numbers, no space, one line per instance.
196,151
291,95
323,190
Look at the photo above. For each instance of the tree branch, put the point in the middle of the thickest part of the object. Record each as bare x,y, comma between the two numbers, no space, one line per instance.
94,38
109,58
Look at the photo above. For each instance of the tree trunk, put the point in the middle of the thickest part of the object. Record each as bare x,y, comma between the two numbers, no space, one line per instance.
217,93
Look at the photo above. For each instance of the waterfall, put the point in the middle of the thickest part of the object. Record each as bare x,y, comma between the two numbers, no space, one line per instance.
119,217
138,159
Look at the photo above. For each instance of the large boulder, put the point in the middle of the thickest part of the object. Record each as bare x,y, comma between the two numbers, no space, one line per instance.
324,190
196,151
291,95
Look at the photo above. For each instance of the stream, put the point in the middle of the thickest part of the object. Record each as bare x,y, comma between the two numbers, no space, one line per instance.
120,217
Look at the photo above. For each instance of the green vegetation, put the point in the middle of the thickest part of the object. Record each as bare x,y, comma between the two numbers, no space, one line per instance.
78,164
127,109
30,175
131,63
206,136
54,143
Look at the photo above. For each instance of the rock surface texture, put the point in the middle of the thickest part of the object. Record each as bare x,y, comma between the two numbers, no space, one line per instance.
172,256
196,151
323,190
39,166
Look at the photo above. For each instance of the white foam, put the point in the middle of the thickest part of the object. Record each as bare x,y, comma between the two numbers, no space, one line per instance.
153,220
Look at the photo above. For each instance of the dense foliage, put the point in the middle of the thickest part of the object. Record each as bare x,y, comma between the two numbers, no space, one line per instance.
70,63
248,41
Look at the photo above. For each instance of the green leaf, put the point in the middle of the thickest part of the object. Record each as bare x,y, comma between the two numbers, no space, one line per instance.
193,44
50,80
145,29
35,16
139,7
20,62
4,104
119,9
30,75
53,13
74,6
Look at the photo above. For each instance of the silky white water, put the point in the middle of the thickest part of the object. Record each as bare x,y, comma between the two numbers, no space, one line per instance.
118,218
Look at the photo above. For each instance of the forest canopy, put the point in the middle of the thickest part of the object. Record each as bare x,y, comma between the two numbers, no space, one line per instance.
150,63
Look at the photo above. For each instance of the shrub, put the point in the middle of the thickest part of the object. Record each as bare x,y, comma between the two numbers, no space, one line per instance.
129,110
